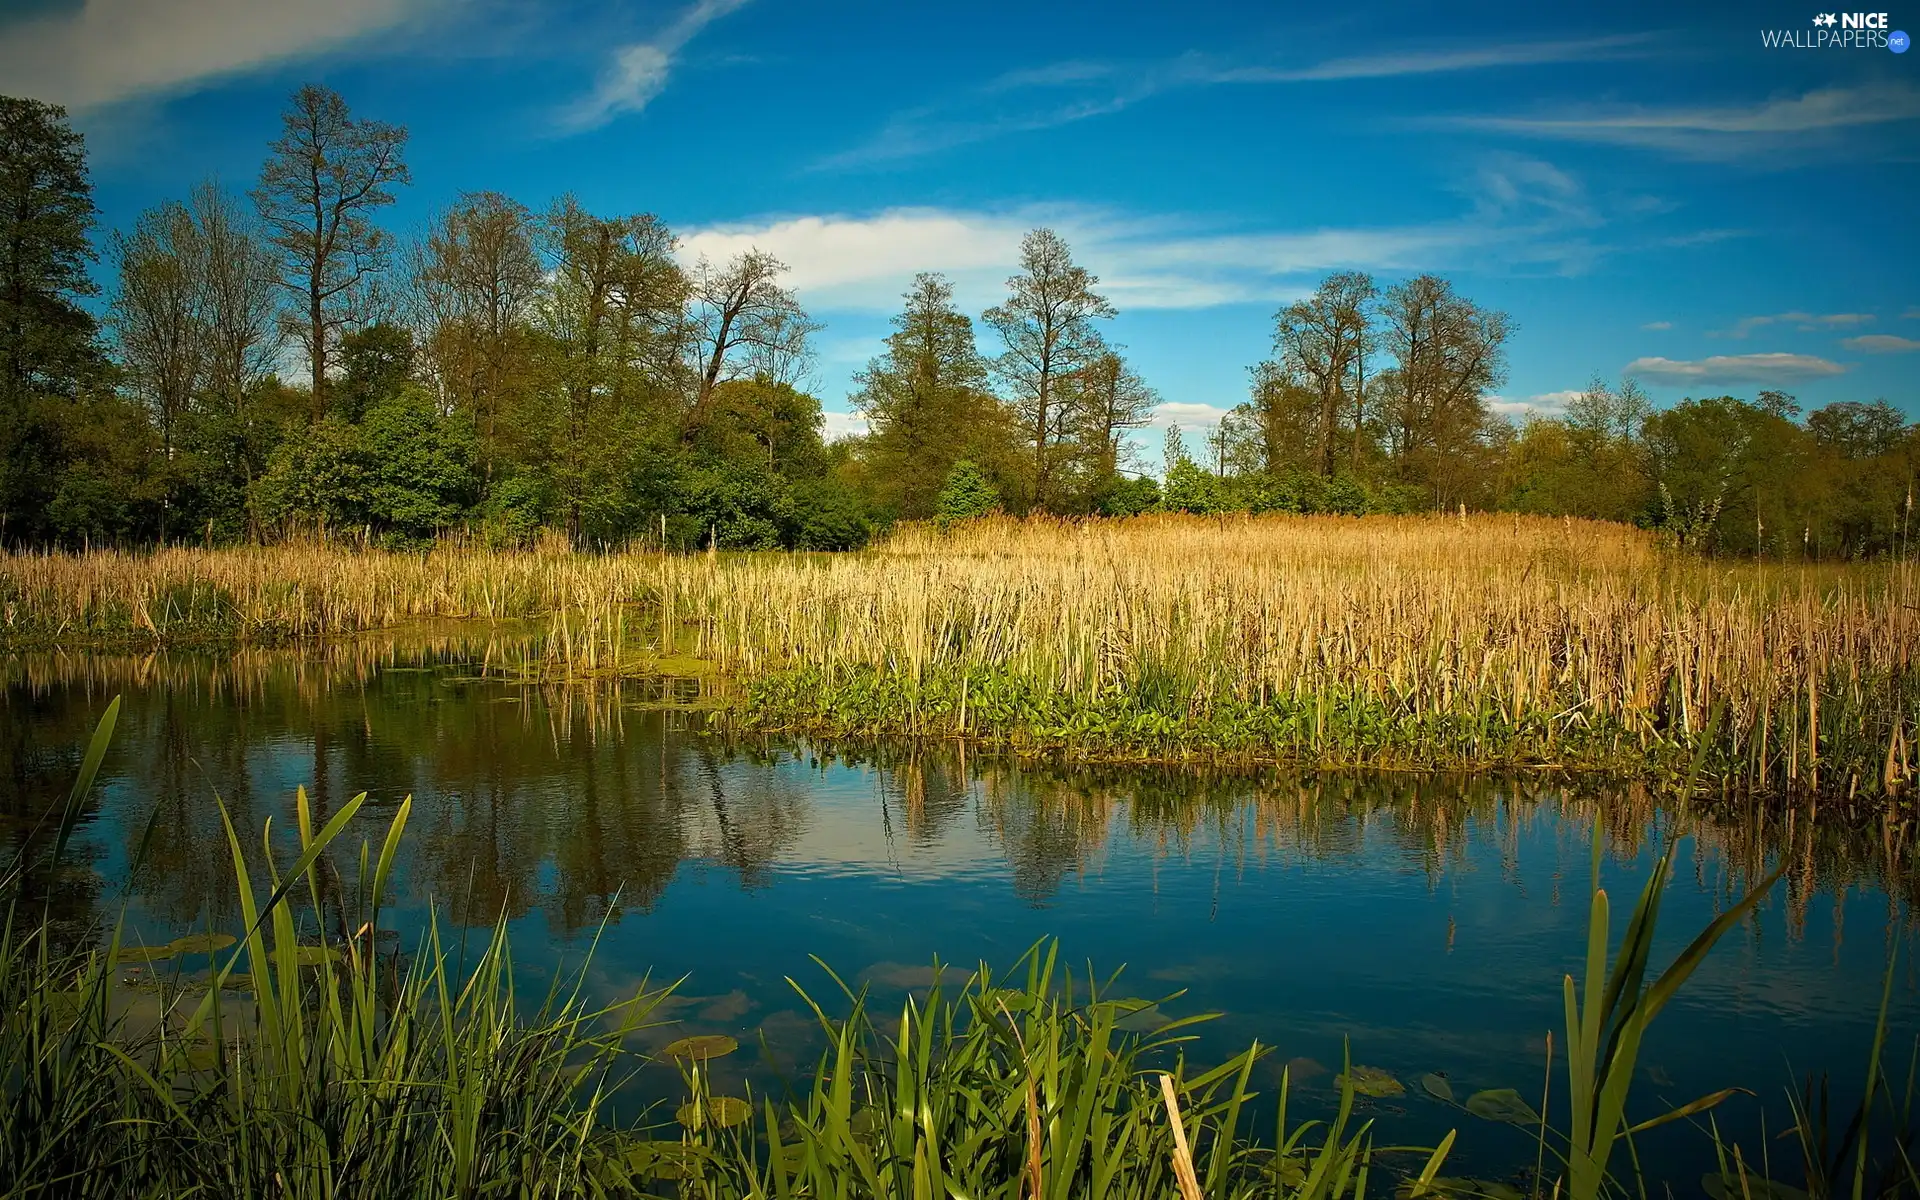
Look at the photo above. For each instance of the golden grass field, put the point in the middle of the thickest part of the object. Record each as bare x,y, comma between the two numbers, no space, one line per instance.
1392,639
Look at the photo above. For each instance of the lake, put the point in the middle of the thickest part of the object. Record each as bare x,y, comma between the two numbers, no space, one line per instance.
1424,921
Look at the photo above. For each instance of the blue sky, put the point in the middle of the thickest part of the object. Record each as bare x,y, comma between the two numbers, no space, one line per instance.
1644,187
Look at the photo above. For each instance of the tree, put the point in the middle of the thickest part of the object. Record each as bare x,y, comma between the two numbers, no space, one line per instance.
926,400
156,317
1448,353
1110,400
1858,431
745,324
613,322
1046,324
317,193
966,495
1323,340
375,362
237,302
47,345
474,281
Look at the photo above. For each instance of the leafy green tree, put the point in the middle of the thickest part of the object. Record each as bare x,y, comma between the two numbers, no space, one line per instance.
417,466
967,494
49,353
926,401
315,481
377,362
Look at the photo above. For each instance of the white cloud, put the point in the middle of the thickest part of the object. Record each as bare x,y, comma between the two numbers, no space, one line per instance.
104,51
1546,404
1803,321
638,72
843,425
1657,326
1519,211
1187,415
1778,124
1882,343
1735,368
1912,314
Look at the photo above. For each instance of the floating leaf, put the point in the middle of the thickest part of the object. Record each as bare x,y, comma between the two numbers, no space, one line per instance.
1730,1187
146,954
1502,1104
313,956
1437,1087
702,1046
201,943
201,1057
722,1112
237,981
1370,1081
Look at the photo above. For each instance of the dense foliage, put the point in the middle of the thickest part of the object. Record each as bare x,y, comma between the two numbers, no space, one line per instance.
280,363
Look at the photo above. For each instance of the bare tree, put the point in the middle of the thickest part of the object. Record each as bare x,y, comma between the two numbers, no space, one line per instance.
318,190
1047,326
745,324
239,297
156,313
1322,340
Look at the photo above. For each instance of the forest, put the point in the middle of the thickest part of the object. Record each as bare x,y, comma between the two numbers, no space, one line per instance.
275,362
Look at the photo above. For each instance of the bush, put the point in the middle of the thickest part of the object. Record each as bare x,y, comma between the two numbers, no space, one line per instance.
966,495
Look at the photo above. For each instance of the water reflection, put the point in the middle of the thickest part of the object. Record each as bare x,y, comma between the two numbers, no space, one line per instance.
1426,918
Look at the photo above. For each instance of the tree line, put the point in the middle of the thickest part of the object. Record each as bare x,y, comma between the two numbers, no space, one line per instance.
278,362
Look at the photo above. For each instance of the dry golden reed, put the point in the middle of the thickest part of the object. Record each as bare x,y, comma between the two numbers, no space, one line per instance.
1561,626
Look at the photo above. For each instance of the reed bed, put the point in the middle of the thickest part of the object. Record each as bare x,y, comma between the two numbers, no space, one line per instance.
1397,641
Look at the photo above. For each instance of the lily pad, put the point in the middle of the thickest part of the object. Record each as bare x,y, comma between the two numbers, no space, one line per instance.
1464,1189
1437,1087
722,1112
313,956
201,943
146,954
1730,1187
702,1046
1370,1081
867,1122
237,981
1502,1104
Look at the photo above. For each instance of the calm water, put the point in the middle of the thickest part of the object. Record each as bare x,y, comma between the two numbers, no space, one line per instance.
1428,921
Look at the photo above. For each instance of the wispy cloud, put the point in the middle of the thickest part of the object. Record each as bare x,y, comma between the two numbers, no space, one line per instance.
1881,343
1657,326
639,71
102,52
1065,92
1518,213
1735,368
1912,314
1803,321
1445,60
1773,126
